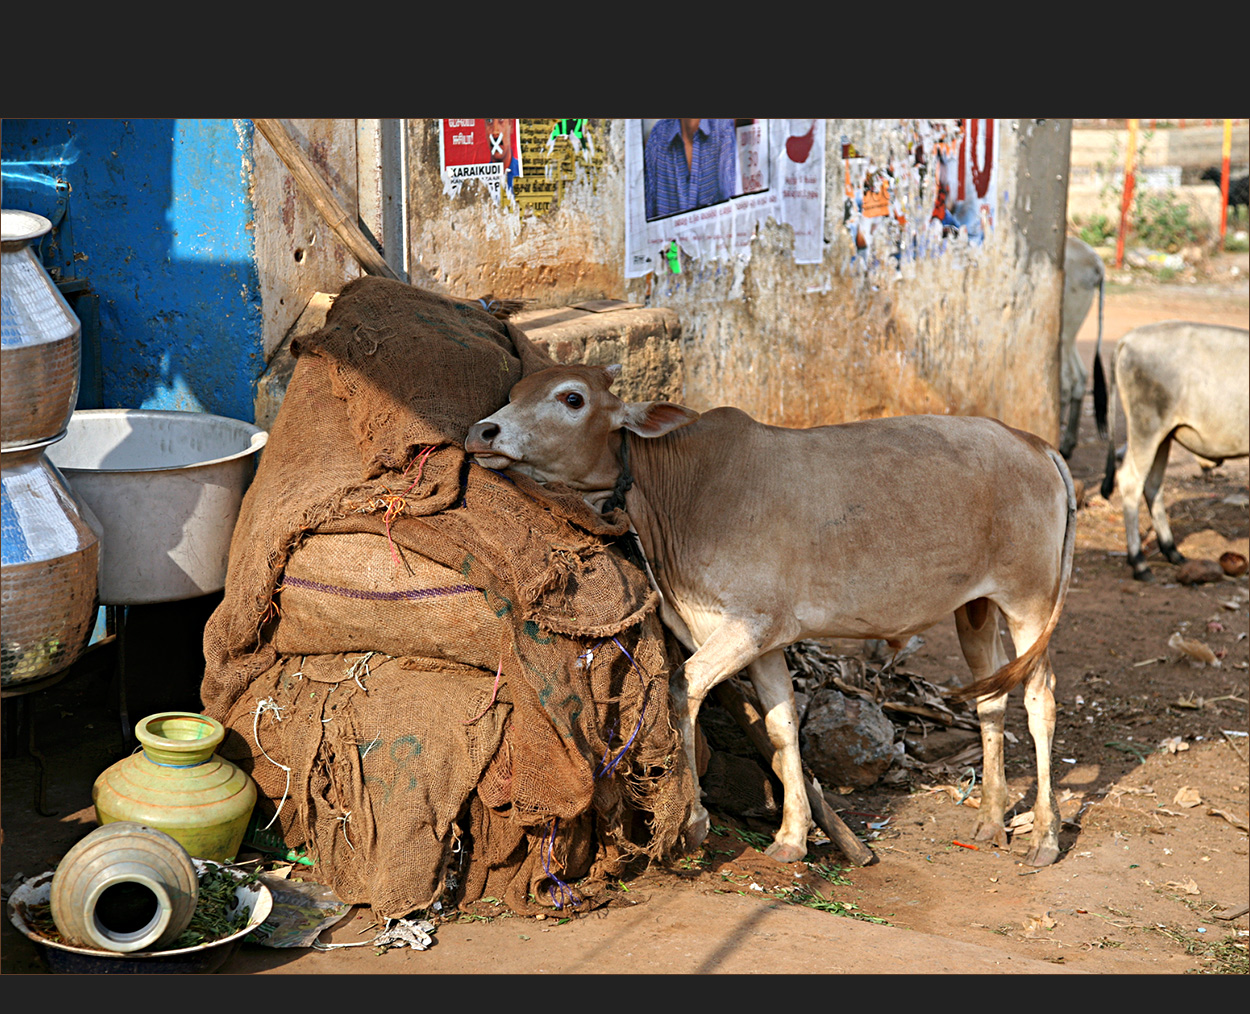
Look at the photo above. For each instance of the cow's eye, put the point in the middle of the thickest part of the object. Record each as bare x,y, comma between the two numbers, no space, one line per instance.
572,399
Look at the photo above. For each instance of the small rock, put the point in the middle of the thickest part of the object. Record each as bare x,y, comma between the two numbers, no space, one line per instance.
1199,572
846,740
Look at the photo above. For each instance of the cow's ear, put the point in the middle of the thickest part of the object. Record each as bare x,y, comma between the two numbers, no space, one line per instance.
655,418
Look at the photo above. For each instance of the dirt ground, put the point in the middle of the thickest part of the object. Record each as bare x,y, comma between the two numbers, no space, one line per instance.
1151,760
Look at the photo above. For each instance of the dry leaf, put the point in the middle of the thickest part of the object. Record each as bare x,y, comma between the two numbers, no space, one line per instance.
1236,821
1037,924
1198,653
1187,796
1021,823
1187,885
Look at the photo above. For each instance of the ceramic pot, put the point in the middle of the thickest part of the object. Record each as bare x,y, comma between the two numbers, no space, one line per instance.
40,339
179,785
123,888
50,557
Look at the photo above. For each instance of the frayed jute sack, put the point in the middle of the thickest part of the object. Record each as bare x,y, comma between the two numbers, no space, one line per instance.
447,682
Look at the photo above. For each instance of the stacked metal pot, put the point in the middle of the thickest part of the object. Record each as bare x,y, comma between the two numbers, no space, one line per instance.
50,549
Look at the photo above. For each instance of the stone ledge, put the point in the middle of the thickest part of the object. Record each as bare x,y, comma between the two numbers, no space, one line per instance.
645,341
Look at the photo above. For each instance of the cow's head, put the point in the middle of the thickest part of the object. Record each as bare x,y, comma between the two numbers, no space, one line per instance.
561,425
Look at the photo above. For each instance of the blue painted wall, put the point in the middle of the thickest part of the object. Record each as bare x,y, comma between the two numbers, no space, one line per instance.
156,216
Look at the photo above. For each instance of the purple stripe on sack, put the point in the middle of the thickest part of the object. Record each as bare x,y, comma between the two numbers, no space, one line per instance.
411,594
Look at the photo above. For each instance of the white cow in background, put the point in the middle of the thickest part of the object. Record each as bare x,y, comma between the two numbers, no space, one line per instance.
1177,381
1083,275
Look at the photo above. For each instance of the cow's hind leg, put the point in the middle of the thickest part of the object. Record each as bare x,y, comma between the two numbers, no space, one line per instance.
976,623
1073,382
1039,705
1154,501
1140,462
771,678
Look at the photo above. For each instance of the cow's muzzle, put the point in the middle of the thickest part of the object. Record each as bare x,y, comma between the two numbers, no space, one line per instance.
479,443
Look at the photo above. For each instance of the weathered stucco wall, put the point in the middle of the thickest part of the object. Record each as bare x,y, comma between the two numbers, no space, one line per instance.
915,323
557,249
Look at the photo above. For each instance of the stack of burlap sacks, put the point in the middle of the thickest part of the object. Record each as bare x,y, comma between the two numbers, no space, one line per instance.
450,683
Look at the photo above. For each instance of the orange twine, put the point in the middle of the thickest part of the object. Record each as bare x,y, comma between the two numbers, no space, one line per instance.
395,503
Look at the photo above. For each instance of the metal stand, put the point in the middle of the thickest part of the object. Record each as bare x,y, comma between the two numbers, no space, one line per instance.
20,715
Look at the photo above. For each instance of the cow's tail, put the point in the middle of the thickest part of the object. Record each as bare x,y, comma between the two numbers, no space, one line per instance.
1022,667
1108,477
1100,382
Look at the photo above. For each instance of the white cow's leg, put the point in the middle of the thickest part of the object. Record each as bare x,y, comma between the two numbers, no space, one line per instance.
1158,513
729,649
982,647
1072,382
771,679
1039,704
1131,478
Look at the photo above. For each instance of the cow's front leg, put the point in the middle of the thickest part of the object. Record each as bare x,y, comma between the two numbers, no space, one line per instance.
771,679
730,648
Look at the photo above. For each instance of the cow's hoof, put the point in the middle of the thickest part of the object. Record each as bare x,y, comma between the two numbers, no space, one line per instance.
1143,575
784,853
696,832
1042,855
990,832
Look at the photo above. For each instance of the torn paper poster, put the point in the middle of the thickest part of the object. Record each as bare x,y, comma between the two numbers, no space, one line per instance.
942,184
708,184
486,150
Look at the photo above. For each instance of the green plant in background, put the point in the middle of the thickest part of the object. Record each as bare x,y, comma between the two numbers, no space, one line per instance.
1097,230
1161,222
1113,172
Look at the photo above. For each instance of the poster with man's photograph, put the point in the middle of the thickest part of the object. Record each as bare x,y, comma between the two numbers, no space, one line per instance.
689,164
706,184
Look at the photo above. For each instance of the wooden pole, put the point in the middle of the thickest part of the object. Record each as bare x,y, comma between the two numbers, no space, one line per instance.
322,197
1130,162
1224,167
733,700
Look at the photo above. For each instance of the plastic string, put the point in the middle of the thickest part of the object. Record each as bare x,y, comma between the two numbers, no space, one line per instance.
269,704
607,767
561,893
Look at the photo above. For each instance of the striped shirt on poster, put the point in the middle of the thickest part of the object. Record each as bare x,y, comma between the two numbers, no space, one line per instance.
670,185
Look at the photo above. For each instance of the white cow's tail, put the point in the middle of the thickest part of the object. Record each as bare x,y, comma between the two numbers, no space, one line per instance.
1100,383
1021,668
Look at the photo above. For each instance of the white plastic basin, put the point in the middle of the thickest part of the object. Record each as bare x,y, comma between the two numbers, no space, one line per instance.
166,487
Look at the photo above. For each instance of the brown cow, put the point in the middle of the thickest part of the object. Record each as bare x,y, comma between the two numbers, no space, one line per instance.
758,536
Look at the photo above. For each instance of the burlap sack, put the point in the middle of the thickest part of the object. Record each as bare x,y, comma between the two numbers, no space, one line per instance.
425,740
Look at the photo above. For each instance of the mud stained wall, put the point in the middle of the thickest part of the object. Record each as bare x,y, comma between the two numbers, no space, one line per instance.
557,240
914,322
